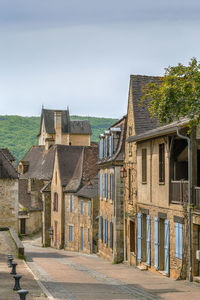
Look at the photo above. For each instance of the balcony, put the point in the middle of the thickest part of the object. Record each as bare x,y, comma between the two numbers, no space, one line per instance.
179,191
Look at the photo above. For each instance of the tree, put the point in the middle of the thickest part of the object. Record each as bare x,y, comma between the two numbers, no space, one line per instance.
176,95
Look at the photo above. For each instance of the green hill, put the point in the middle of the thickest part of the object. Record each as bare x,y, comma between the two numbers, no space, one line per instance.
20,133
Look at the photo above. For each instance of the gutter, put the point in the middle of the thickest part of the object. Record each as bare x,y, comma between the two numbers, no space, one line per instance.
189,203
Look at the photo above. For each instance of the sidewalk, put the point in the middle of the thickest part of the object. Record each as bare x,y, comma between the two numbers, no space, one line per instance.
27,281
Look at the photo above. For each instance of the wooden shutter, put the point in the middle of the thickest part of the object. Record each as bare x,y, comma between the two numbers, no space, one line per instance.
100,185
144,165
105,185
111,235
166,248
139,230
148,240
100,227
89,209
70,203
156,243
106,232
81,207
162,163
177,239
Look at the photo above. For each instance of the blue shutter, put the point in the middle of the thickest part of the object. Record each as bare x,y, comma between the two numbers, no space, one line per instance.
110,234
166,247
177,239
109,186
100,148
180,239
70,208
148,240
105,146
110,147
112,143
82,239
81,207
104,231
100,227
100,185
70,233
105,185
156,243
139,252
89,208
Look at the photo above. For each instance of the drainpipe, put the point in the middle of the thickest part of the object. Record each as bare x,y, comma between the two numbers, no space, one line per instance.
189,203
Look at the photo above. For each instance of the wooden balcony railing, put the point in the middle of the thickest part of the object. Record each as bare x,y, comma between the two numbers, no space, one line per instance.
179,191
197,197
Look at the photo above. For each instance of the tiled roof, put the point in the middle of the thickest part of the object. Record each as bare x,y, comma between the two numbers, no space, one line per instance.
89,190
8,154
142,119
74,127
40,161
85,168
7,170
80,127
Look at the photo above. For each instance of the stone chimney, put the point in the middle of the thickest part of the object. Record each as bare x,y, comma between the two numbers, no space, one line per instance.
58,126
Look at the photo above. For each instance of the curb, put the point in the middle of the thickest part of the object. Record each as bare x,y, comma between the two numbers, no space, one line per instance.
41,285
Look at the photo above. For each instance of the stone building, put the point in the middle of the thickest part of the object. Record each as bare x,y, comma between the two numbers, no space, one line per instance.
81,223
9,191
138,121
156,215
57,128
75,166
36,168
111,196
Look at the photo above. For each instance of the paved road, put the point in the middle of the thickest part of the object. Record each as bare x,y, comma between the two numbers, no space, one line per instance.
70,275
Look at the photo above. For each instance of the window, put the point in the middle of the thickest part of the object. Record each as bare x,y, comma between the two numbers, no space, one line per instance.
111,235
105,231
88,235
130,144
179,234
111,186
29,185
101,148
70,203
89,209
55,202
71,233
100,185
81,207
132,236
100,228
162,163
105,185
129,185
144,165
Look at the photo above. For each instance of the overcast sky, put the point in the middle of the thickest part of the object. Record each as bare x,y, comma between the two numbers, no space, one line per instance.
80,53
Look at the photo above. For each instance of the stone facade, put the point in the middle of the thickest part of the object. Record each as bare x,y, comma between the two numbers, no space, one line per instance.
111,194
80,219
9,203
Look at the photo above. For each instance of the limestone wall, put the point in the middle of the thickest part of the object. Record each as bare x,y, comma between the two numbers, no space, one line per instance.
9,203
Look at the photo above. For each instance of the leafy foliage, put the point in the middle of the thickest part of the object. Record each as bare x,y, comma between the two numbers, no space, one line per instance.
177,95
20,133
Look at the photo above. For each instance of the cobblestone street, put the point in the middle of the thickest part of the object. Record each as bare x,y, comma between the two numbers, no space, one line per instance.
70,275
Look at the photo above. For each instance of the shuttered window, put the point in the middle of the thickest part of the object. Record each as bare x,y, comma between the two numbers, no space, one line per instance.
166,248
156,243
100,228
148,240
101,148
55,202
111,235
105,231
139,237
100,185
162,163
71,233
70,203
105,185
179,243
89,209
81,207
144,165
111,186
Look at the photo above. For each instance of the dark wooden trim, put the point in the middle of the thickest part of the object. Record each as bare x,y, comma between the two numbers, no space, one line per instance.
144,211
162,215
179,220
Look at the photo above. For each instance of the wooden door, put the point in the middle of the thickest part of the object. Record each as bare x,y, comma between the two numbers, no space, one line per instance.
23,226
